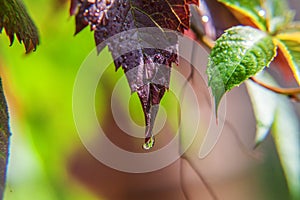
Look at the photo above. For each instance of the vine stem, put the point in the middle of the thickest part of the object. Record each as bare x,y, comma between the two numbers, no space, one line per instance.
290,92
183,189
183,154
207,186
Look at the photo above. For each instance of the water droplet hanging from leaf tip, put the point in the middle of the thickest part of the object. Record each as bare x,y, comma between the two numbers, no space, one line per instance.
149,144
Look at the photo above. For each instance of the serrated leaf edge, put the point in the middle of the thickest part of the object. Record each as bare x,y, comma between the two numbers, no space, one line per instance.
217,101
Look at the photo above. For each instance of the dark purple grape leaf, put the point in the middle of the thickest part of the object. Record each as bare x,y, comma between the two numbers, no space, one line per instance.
15,20
145,54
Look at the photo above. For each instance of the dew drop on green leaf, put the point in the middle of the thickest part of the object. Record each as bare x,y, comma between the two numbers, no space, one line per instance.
240,53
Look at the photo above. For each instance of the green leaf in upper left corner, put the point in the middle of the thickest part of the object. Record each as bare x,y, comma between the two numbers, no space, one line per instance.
239,53
15,20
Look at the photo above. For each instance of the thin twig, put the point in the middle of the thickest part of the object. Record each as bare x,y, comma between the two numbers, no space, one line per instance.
191,75
183,189
189,78
290,92
207,186
203,37
245,150
207,41
184,157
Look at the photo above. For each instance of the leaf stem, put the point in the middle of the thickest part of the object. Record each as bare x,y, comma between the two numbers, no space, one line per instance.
207,41
290,92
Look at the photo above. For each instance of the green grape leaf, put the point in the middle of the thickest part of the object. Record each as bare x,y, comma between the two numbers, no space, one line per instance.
251,9
4,140
289,45
15,20
286,133
264,103
278,14
239,53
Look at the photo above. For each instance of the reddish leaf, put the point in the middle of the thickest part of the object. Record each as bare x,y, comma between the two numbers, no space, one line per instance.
146,56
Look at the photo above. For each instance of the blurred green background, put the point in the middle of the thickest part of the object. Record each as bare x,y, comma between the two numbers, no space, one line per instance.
39,88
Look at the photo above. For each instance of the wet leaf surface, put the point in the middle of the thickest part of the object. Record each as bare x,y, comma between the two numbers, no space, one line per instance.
239,53
146,55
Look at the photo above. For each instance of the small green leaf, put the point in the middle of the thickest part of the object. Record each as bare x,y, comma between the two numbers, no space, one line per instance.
286,133
239,53
15,20
264,104
290,47
278,14
251,9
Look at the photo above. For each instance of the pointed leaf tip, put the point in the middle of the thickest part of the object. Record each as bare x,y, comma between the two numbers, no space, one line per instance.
150,96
